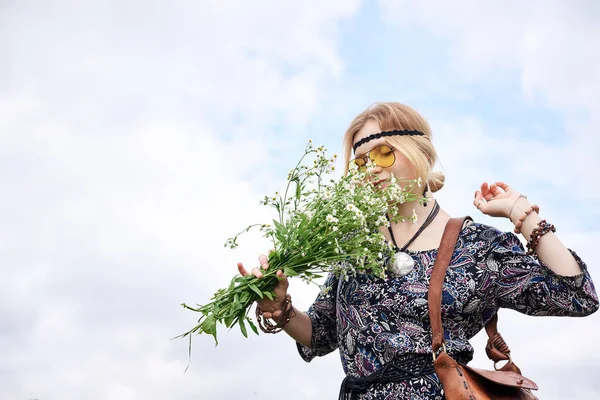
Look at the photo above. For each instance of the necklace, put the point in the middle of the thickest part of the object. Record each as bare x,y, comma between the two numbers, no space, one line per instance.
403,263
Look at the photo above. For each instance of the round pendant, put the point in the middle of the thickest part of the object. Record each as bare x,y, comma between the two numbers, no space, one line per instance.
402,264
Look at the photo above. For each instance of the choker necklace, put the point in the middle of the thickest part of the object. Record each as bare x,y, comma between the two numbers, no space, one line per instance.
403,263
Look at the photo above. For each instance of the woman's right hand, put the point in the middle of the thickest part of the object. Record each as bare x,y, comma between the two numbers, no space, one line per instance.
270,308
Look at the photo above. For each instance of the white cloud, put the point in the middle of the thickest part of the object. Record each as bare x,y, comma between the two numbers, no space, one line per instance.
134,140
550,46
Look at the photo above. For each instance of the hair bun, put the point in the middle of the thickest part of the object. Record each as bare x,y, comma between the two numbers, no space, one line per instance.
436,181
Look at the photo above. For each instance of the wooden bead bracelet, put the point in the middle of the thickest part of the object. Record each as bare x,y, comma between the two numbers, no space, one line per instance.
287,313
523,217
542,228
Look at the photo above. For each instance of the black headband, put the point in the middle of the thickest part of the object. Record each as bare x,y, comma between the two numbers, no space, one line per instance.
386,133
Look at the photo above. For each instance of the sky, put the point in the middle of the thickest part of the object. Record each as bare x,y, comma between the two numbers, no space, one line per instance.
136,137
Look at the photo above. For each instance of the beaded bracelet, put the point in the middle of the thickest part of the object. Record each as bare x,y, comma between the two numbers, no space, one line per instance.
523,217
288,313
542,228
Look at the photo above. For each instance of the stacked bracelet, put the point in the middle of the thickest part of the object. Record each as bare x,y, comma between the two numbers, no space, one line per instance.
542,228
523,217
287,313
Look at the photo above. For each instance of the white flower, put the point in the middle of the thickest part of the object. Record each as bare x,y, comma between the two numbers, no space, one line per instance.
419,182
326,290
414,217
382,221
331,218
351,207
335,228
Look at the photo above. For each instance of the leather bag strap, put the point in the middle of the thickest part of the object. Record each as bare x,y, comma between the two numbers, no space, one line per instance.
436,282
496,348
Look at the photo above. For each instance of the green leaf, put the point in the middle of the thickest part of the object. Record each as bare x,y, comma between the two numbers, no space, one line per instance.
289,272
232,284
256,290
269,295
244,297
243,327
228,320
210,326
252,326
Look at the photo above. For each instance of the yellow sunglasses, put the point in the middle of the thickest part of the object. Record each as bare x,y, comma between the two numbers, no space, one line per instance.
382,156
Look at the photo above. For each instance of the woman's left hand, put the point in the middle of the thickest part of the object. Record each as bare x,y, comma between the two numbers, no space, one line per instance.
496,199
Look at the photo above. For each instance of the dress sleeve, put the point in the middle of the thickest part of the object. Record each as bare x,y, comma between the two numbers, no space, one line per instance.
527,285
322,314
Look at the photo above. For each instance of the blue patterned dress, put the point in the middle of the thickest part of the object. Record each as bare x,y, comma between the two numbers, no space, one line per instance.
372,320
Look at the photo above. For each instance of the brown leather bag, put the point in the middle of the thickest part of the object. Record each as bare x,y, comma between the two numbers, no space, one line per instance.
461,381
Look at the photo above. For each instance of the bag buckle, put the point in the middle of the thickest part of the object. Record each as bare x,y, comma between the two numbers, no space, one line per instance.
433,353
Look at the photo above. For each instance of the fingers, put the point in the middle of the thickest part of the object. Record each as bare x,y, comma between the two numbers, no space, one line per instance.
478,199
256,272
280,293
491,191
485,189
503,186
283,280
241,269
496,189
274,314
244,272
263,261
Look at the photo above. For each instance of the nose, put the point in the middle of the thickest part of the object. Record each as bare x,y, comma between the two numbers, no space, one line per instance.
373,168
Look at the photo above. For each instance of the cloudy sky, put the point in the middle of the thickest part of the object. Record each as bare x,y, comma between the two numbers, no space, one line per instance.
136,136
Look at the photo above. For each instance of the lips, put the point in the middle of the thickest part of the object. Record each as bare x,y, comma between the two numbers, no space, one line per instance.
382,183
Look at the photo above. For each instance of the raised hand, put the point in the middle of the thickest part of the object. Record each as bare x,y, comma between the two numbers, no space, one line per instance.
271,308
496,199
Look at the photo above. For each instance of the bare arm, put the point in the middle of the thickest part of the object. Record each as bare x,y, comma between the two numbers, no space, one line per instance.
300,328
499,200
550,250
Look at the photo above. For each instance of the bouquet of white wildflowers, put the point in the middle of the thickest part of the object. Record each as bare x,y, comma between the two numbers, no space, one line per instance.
322,227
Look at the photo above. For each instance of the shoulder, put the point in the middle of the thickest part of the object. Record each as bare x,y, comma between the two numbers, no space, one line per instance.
488,235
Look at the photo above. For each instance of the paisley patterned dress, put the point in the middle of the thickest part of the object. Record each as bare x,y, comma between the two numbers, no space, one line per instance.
372,320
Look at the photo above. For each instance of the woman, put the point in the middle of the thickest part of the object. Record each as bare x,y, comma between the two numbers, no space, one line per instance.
374,321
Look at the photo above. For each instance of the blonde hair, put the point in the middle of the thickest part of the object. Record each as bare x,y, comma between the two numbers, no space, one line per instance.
418,150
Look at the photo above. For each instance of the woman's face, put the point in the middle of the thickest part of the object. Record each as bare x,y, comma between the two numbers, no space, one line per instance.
402,168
